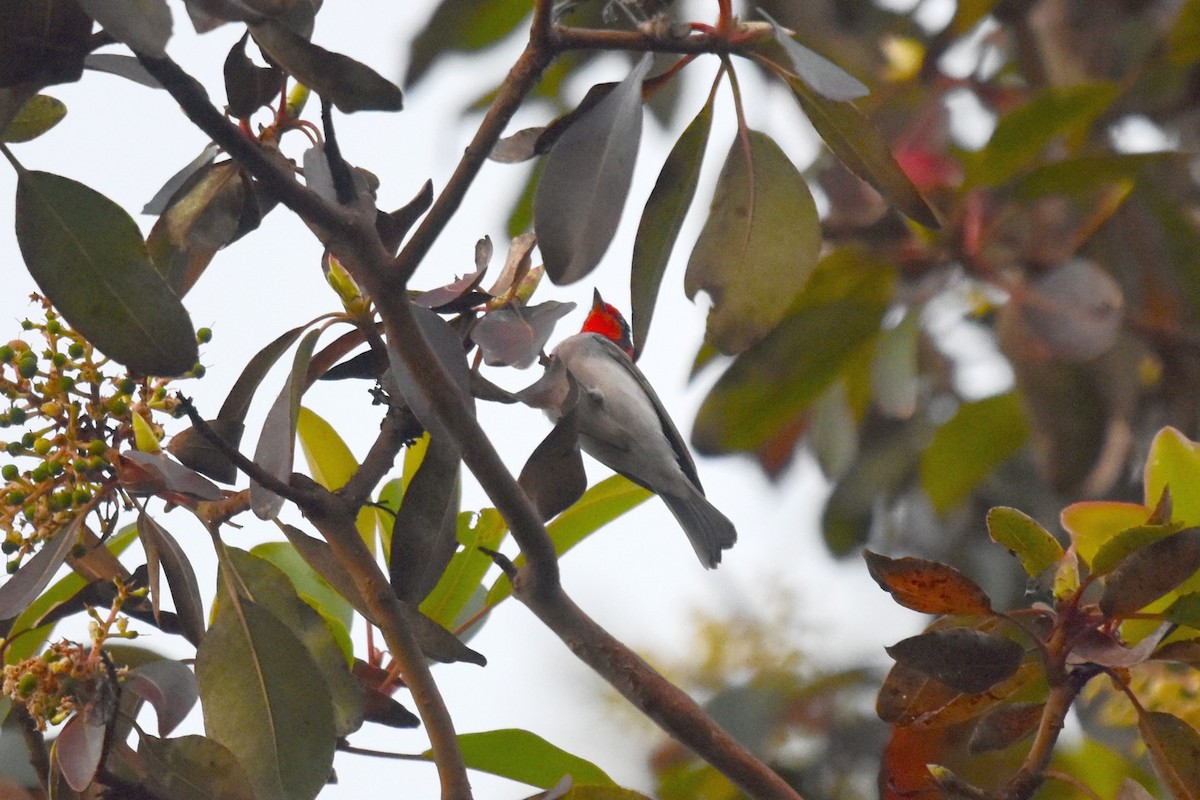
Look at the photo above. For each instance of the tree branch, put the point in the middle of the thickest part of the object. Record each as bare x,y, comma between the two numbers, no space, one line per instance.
521,78
334,518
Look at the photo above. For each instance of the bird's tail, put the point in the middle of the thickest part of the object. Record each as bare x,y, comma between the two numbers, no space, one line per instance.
707,528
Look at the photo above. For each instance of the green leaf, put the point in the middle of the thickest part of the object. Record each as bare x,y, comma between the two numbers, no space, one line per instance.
758,246
1085,175
1174,748
1149,573
87,256
163,550
771,384
332,464
309,585
263,699
980,436
526,757
600,505
348,84
582,190
1025,538
1119,547
969,661
1174,461
463,576
271,589
1185,610
193,768
1021,135
39,114
462,27
662,218
32,639
857,143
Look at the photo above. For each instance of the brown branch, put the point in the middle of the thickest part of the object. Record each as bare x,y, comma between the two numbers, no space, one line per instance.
334,518
521,78
394,431
1033,770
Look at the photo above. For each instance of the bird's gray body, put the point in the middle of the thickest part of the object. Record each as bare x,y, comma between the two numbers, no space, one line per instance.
623,425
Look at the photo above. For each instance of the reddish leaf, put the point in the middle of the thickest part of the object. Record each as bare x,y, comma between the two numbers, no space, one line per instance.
514,336
927,586
80,746
156,473
1174,748
912,698
1097,647
1151,572
967,660
169,686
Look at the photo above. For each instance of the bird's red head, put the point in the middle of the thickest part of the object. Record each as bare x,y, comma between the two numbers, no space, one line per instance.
607,321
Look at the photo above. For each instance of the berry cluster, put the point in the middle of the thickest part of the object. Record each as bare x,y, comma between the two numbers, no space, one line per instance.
70,416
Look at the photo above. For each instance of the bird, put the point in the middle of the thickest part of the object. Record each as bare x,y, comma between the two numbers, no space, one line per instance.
622,424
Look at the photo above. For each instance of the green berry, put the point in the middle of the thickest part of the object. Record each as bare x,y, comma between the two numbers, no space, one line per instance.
26,325
97,447
14,448
204,335
27,367
56,468
75,350
8,547
39,473
81,496
27,685
6,353
12,566
53,326
41,445
127,386
17,416
10,472
58,359
198,371
15,498
28,439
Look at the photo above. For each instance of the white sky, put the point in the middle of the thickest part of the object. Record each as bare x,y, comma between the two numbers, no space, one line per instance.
638,577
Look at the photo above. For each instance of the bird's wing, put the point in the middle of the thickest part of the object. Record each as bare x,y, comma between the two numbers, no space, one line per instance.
682,454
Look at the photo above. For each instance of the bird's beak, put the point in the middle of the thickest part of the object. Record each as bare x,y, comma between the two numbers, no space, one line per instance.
597,300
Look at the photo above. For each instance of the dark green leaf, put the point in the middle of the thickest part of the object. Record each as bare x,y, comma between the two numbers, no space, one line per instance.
161,548
39,114
462,27
193,768
423,536
277,442
1174,748
1116,549
585,181
1021,135
854,139
348,84
248,87
662,218
271,590
526,757
927,586
320,559
981,436
769,385
1151,572
969,661
143,25
42,42
263,698
162,198
1082,176
215,206
87,256
553,477
758,246
1025,538
1185,610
